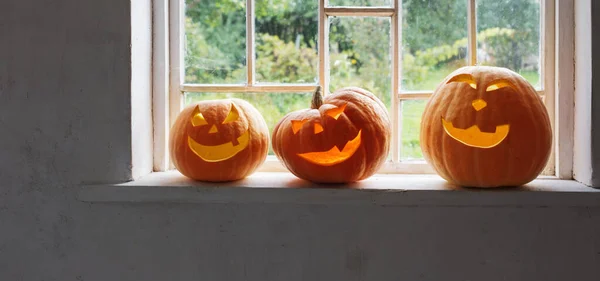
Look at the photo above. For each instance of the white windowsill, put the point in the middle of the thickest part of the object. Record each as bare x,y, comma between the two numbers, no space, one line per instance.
384,190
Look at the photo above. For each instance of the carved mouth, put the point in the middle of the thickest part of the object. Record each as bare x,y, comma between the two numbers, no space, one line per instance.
334,155
221,152
474,137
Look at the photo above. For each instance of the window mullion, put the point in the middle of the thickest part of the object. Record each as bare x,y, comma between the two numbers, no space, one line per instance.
413,95
250,54
472,34
261,88
176,61
564,84
323,47
359,11
547,72
396,39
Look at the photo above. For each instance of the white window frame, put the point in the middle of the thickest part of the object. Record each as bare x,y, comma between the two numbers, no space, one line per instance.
556,74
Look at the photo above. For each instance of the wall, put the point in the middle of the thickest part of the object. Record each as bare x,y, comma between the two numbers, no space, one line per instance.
586,166
595,94
65,117
141,88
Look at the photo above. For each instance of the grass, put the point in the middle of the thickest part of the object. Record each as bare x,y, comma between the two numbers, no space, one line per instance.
411,126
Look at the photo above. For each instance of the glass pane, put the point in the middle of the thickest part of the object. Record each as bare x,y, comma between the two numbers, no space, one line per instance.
411,111
508,35
286,41
434,41
272,106
359,3
359,50
215,41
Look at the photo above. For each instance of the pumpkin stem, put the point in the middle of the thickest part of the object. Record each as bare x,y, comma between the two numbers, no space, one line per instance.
317,99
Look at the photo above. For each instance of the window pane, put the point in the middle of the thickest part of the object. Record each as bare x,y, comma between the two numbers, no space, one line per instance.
359,50
215,41
434,41
272,106
411,111
286,41
509,36
358,3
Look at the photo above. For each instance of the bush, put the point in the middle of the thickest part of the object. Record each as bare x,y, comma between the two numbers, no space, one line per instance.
278,61
500,46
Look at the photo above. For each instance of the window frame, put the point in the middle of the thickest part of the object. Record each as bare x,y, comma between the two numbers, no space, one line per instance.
557,18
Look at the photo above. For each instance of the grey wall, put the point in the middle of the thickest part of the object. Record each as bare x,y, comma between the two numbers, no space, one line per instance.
586,165
596,93
64,92
65,118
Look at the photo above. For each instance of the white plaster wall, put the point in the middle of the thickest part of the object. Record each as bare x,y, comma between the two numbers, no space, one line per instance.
582,166
65,117
141,88
586,158
595,181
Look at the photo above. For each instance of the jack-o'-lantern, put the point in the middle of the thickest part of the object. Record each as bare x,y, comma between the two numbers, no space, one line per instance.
219,140
343,137
486,127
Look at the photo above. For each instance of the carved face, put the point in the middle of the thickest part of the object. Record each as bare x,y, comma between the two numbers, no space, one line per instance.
473,136
230,141
343,138
337,153
486,127
219,140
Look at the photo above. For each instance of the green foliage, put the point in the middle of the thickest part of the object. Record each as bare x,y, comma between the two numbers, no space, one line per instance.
416,68
507,47
367,64
288,20
222,23
206,63
411,128
278,61
429,23
499,43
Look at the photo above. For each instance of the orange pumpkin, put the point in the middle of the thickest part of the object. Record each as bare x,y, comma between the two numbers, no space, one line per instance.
344,137
486,127
219,140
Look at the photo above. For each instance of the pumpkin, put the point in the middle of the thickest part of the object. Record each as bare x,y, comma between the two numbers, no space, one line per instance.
344,137
486,127
219,140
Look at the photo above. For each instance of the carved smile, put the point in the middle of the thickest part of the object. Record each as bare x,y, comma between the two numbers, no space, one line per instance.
334,155
221,152
474,137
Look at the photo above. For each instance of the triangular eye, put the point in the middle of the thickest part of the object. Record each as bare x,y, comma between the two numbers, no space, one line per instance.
465,78
297,125
232,116
198,120
498,85
336,112
318,128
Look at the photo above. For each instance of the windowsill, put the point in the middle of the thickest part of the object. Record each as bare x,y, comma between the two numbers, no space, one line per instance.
385,190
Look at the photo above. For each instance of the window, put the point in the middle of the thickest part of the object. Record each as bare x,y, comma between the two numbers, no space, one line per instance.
274,52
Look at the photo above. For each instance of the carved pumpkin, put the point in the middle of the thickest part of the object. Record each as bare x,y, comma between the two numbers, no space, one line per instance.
486,127
219,140
344,137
